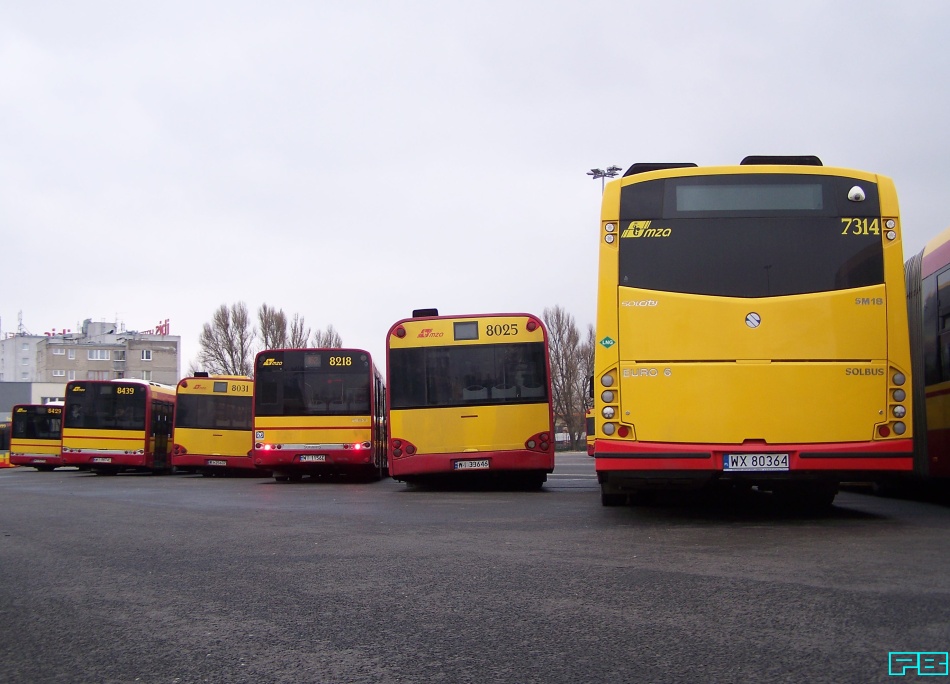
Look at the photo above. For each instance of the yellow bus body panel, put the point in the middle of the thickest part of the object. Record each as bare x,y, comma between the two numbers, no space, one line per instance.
47,447
841,325
723,403
470,428
209,442
439,332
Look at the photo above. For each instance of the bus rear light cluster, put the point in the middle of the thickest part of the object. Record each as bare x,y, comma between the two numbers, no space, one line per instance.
179,450
266,447
891,226
897,410
401,447
400,332
610,233
539,442
610,412
532,325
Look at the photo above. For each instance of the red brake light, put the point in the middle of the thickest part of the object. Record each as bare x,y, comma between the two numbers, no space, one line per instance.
532,325
400,332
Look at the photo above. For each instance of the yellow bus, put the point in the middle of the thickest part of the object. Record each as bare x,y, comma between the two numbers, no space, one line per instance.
469,396
214,424
319,412
36,437
751,330
114,425
5,445
928,300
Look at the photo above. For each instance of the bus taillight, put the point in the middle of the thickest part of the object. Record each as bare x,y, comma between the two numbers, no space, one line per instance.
400,447
539,442
179,450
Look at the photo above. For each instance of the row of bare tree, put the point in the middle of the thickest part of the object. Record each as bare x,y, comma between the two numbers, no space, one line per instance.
229,342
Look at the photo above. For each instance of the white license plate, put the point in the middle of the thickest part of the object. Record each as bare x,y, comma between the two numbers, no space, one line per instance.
38,460
481,464
313,458
102,459
755,462
212,462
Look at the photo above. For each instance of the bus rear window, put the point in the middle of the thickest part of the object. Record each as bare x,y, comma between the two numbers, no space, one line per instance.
427,377
761,236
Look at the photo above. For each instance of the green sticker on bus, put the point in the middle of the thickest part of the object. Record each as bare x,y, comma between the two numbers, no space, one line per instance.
607,342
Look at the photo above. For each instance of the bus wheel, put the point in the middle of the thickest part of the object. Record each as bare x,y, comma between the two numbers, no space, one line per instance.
533,482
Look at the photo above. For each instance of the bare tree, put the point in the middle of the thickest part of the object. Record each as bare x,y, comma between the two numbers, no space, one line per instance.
586,360
568,378
273,324
225,343
327,339
298,333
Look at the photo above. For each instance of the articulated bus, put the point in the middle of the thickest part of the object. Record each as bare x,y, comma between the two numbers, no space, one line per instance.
928,307
114,425
319,412
5,445
36,438
469,396
751,330
214,424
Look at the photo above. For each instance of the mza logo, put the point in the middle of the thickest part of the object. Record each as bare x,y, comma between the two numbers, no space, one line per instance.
638,229
429,332
272,362
920,663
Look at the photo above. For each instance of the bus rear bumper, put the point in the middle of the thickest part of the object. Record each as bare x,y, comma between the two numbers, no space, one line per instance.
213,462
485,462
693,465
37,460
107,460
297,461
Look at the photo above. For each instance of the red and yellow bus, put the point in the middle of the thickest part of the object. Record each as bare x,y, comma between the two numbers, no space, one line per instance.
214,424
752,330
928,305
5,445
36,437
319,412
114,425
469,395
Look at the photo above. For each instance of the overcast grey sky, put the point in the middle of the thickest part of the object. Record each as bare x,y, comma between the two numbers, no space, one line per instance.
350,161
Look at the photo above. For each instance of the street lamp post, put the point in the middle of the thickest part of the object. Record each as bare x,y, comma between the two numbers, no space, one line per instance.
603,174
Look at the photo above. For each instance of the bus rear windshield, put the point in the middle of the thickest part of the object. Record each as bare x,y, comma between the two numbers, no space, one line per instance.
214,412
112,407
37,422
429,377
311,383
750,235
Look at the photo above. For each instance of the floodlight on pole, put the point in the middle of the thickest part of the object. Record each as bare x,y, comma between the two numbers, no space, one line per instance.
603,174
